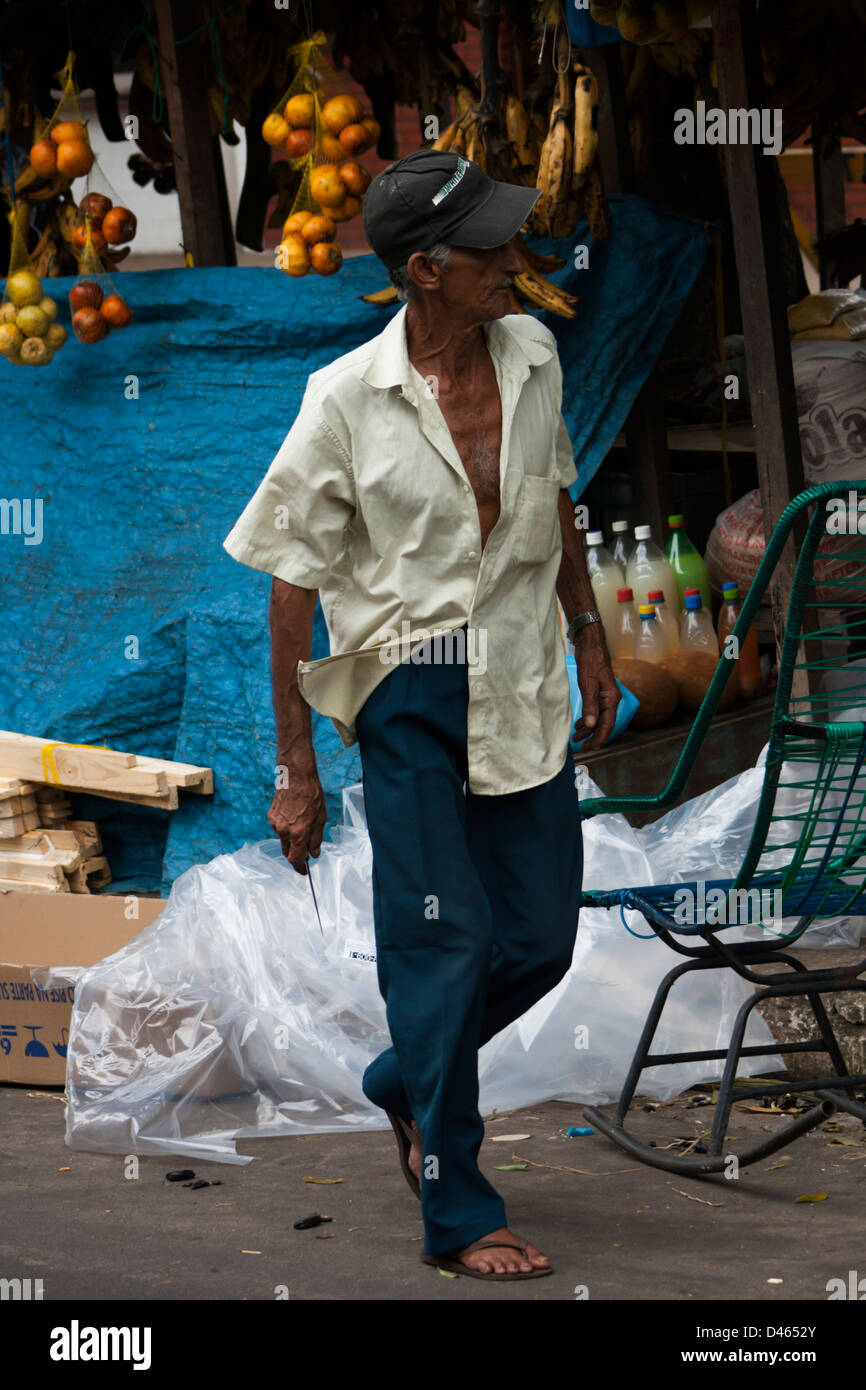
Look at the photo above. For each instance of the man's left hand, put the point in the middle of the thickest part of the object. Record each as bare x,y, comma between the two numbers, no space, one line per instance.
598,688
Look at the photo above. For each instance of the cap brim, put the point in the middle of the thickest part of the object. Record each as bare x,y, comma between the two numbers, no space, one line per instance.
499,219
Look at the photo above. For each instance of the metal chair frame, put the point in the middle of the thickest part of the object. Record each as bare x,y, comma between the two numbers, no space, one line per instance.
824,876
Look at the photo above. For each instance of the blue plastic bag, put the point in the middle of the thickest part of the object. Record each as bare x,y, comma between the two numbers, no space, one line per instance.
625,710
584,31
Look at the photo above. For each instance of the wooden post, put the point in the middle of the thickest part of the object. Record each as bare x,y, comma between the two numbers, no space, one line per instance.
829,167
645,432
762,301
614,145
201,187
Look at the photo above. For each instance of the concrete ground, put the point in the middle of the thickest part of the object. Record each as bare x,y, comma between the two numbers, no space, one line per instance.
609,1224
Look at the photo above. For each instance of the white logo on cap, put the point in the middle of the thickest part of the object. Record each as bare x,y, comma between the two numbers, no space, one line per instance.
462,166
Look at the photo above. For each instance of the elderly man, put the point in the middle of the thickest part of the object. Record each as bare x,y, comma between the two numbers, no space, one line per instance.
422,491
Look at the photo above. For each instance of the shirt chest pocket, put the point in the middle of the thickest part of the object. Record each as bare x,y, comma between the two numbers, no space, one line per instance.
536,520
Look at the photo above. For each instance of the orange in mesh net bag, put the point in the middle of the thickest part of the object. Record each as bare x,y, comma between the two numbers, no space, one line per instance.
322,132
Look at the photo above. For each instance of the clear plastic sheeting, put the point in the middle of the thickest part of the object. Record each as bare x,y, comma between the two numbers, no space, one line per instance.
233,1016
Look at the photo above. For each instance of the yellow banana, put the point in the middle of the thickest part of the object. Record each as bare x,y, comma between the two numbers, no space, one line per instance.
554,174
386,296
463,100
519,131
446,139
545,296
585,125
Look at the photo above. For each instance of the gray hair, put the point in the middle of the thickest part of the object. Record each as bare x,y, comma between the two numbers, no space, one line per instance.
438,253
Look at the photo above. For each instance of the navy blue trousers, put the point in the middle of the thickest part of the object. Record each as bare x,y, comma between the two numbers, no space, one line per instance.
476,901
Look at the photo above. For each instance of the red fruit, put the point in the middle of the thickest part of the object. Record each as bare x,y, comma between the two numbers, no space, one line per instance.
119,225
116,310
95,206
85,295
89,325
97,238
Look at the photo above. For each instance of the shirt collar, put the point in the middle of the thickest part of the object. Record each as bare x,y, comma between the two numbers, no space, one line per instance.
390,365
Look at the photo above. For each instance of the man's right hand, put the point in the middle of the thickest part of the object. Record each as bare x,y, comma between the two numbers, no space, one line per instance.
298,815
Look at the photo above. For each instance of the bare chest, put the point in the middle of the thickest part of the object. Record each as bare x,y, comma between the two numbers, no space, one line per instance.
475,426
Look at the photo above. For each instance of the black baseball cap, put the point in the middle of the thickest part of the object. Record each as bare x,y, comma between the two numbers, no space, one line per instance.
433,195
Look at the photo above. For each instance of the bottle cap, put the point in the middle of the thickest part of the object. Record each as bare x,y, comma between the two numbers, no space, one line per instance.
731,592
693,602
675,521
643,533
625,595
618,527
647,610
730,584
656,596
594,537
686,592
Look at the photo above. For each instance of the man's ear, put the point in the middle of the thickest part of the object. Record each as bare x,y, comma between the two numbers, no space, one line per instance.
423,272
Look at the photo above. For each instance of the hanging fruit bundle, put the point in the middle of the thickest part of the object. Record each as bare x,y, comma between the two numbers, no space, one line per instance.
94,303
60,155
29,333
323,137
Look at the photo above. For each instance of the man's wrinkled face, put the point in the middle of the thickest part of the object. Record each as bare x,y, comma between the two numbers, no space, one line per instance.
474,285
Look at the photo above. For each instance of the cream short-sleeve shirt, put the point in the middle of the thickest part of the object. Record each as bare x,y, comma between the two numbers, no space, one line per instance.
367,501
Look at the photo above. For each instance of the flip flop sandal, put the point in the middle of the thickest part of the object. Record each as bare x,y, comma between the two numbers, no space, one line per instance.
406,1136
452,1264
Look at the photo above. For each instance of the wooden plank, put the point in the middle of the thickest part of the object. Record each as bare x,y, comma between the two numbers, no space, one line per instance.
87,834
11,885
13,786
63,846
168,801
762,299
30,868
198,166
78,768
16,825
187,775
17,805
97,871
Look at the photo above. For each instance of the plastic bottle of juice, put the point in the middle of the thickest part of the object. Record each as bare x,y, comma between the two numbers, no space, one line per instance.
621,548
651,643
687,564
647,567
670,624
697,633
748,662
622,641
605,576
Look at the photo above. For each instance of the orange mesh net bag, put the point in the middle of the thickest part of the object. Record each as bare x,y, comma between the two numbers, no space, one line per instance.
323,129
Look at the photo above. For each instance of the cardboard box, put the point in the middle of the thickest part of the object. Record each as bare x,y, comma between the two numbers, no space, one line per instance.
52,929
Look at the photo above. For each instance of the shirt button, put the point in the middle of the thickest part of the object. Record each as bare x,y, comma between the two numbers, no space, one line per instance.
466,487
470,555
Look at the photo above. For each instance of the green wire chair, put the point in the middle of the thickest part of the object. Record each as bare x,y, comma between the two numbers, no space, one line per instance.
806,858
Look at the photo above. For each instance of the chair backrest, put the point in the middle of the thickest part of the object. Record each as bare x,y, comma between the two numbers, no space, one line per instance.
809,837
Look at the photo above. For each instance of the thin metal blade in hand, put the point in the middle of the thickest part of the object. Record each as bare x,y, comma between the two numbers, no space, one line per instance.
315,902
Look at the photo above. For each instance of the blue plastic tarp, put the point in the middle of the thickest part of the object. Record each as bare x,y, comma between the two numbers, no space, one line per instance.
128,624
